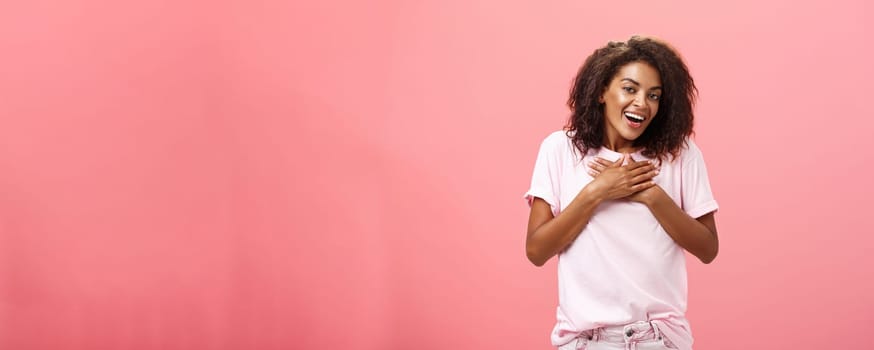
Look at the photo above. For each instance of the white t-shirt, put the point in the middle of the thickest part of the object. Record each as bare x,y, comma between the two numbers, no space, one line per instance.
623,267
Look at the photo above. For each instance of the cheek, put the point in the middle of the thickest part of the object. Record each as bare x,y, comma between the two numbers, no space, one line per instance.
618,100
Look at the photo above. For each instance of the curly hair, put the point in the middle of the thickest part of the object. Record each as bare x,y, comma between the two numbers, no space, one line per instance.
668,131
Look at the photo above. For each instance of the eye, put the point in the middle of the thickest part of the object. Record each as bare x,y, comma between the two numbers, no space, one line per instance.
655,97
629,89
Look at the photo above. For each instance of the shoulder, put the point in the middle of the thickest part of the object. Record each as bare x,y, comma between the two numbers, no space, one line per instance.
558,140
691,147
690,151
558,146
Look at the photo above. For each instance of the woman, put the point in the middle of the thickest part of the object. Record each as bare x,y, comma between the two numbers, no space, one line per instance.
618,195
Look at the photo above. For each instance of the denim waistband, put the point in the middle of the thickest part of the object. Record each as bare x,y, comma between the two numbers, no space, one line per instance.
637,331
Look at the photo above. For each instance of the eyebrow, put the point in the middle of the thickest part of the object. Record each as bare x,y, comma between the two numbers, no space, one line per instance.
638,84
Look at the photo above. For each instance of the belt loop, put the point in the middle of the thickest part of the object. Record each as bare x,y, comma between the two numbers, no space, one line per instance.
655,329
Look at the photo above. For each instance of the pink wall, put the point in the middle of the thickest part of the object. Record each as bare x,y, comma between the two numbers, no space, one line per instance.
266,175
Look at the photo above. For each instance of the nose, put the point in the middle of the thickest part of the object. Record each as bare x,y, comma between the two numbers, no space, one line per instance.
640,99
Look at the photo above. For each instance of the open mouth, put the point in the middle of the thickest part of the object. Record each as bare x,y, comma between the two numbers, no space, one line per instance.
634,118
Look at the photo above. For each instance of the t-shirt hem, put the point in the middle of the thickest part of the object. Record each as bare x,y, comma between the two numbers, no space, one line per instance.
529,197
703,209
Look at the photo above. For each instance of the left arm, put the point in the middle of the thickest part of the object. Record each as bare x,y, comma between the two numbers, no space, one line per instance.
697,236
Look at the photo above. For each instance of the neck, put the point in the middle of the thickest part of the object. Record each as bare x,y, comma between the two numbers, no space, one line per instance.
618,144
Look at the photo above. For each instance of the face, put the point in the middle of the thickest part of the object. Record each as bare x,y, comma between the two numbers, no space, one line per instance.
630,102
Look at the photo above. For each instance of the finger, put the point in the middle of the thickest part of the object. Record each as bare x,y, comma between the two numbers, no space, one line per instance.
597,166
648,176
632,160
593,173
602,161
635,165
646,168
619,162
642,186
594,169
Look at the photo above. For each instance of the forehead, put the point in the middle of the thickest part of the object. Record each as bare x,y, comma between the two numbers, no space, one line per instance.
639,71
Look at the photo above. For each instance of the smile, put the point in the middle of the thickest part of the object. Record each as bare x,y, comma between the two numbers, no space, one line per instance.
634,117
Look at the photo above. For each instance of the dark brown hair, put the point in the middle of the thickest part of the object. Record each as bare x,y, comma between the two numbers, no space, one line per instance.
668,130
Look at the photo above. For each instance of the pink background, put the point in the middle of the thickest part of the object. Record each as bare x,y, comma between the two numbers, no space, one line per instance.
323,175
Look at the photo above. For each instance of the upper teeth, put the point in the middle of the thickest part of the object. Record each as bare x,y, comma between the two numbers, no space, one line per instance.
634,116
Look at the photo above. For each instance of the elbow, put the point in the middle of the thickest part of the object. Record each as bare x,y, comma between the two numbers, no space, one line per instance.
709,256
534,256
537,262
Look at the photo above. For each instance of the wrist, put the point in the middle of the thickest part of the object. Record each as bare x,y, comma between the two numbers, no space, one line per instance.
593,193
655,195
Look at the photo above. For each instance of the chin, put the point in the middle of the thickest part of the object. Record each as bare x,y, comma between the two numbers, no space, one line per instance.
631,136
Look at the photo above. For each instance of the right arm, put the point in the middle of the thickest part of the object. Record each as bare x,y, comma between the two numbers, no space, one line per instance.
549,235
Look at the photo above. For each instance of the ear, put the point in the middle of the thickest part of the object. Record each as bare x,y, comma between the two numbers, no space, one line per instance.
601,98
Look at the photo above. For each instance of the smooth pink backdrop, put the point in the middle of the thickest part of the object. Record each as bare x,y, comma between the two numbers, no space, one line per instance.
309,175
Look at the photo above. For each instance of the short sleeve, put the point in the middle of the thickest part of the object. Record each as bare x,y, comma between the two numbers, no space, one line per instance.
697,197
546,178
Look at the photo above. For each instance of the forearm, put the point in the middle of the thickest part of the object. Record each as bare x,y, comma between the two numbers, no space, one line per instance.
555,235
689,233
